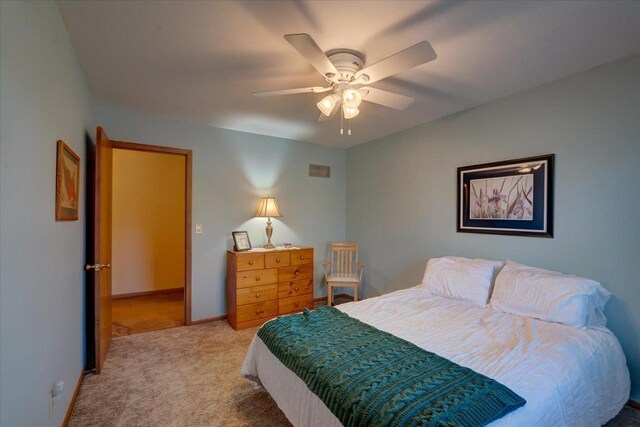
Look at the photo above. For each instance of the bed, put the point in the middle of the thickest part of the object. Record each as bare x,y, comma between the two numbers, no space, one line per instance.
569,376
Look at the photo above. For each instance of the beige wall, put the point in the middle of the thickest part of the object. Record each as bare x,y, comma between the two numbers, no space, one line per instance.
148,221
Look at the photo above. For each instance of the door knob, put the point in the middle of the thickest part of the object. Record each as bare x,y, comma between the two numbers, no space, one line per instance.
97,267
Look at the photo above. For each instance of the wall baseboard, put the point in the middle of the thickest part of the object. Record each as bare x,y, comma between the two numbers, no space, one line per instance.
633,404
72,402
208,320
147,293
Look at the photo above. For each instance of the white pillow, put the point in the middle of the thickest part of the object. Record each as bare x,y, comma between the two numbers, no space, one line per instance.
461,278
549,295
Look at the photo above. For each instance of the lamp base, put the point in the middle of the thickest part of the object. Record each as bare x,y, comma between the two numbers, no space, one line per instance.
269,231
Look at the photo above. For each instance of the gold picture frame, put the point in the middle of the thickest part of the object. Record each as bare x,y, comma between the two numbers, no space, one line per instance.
67,183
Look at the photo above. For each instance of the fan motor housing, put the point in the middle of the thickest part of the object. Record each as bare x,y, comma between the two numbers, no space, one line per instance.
347,62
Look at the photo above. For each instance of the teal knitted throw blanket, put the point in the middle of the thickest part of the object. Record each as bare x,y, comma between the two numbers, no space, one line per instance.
367,377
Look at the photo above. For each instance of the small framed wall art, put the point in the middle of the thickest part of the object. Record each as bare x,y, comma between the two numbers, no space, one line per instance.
510,197
67,183
241,240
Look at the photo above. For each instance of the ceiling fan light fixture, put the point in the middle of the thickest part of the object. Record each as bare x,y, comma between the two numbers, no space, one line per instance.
348,112
327,104
351,98
344,70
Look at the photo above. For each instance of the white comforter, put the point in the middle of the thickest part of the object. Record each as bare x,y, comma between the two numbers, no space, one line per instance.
569,376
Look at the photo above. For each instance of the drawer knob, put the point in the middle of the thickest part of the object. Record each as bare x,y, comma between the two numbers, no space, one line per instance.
297,304
277,259
257,278
250,262
297,288
259,312
257,295
295,273
301,256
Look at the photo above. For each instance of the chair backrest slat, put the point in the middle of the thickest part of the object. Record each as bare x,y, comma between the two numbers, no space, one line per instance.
344,257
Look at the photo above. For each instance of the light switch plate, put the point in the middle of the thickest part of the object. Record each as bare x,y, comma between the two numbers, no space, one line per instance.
198,228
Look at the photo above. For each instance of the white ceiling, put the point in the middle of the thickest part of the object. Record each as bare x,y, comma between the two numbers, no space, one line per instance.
200,61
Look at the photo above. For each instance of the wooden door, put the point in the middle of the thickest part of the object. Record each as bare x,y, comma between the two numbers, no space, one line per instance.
102,247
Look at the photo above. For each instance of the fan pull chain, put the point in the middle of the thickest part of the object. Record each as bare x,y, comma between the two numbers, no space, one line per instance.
341,129
349,132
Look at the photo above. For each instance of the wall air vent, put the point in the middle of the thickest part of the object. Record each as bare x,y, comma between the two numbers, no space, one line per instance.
319,171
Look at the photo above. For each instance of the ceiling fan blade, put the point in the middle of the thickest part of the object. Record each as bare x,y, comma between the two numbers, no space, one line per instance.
388,99
411,57
314,89
336,108
309,49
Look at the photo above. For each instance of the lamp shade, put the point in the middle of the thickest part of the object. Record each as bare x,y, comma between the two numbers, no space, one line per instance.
349,113
327,104
268,208
351,98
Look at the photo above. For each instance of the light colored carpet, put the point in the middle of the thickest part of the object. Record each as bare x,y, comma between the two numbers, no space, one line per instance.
188,376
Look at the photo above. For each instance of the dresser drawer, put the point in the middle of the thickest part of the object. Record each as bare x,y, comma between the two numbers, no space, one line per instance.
302,257
253,323
249,262
256,294
297,272
278,259
295,304
257,277
262,284
257,311
294,289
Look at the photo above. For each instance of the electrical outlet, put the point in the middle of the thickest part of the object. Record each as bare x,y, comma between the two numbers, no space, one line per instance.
54,395
198,228
58,386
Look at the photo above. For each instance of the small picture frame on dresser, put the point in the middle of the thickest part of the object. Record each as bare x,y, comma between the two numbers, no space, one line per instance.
241,240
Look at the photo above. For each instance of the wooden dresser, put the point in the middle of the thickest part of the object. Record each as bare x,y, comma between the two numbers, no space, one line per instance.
263,285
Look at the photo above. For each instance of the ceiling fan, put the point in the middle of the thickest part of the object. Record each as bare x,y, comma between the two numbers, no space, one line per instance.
343,71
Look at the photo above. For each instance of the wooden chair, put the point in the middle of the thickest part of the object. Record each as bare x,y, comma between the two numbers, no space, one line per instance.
343,269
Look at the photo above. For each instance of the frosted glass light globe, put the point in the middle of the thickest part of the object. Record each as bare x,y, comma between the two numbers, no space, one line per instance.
351,98
327,104
349,113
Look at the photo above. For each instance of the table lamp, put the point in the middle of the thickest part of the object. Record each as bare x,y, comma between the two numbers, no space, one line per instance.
268,209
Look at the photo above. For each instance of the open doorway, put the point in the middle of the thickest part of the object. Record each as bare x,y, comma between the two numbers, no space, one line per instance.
151,211
99,191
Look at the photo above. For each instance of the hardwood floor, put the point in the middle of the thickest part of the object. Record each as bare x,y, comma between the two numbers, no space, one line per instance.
134,315
338,299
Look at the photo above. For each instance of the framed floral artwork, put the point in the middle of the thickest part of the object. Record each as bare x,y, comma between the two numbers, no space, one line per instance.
67,183
509,197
